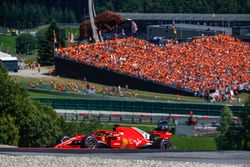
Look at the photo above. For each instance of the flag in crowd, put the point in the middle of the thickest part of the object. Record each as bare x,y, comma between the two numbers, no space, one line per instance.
72,38
175,31
115,35
123,32
173,24
174,27
134,27
54,36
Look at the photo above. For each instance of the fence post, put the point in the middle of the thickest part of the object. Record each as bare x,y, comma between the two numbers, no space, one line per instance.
76,115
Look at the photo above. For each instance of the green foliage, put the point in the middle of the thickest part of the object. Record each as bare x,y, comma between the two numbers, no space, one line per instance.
235,137
245,117
9,133
84,127
40,127
47,42
25,13
193,143
13,99
224,129
226,120
68,16
23,121
25,43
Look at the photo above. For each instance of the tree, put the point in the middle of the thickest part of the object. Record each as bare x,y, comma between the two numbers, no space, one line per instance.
52,39
4,14
13,98
40,127
23,121
68,17
132,6
233,6
226,119
13,106
9,133
53,14
245,117
245,6
30,13
38,16
25,43
46,51
225,124
71,17
220,6
84,127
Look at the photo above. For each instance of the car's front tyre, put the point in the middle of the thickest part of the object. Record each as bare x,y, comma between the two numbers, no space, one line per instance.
62,139
89,142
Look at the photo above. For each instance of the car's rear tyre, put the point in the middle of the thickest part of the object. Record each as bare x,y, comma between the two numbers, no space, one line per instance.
163,144
89,142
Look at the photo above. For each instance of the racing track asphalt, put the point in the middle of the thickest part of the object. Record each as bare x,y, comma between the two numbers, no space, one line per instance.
218,157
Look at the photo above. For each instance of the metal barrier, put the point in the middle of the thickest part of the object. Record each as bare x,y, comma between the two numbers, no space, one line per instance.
139,107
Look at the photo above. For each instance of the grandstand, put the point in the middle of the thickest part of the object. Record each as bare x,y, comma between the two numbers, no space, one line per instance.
222,20
184,31
239,23
196,68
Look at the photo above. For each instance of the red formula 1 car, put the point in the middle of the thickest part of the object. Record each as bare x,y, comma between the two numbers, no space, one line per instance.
121,137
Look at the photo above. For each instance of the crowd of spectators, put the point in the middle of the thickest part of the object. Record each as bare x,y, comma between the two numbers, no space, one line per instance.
219,62
84,88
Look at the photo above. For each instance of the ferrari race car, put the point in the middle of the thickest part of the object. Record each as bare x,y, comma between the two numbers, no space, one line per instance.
120,137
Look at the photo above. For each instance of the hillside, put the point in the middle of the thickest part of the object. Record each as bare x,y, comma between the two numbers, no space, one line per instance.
22,14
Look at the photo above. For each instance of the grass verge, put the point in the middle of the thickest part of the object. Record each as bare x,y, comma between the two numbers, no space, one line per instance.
144,95
8,43
29,58
193,143
44,95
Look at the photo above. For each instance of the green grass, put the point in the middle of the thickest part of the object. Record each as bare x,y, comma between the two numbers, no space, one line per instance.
193,143
166,97
243,97
141,95
144,95
28,58
44,95
8,43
